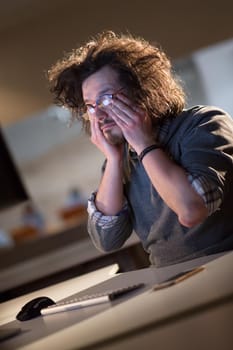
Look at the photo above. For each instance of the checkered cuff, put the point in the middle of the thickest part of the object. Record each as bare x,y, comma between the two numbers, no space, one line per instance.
211,194
106,221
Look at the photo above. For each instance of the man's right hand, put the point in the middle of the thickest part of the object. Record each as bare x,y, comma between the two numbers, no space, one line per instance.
109,150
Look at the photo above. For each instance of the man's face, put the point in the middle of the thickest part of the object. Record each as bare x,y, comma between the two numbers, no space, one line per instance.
104,81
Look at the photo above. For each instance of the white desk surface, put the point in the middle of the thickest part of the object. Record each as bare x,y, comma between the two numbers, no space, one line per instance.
149,318
57,291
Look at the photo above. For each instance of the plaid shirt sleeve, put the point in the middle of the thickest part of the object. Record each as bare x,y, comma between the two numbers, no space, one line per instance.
210,192
105,221
108,232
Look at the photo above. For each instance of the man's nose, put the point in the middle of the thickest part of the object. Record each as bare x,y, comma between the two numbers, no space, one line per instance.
100,113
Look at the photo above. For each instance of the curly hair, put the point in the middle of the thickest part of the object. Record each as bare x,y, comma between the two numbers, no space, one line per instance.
144,69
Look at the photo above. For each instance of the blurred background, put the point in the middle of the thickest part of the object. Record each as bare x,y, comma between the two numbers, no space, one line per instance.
53,159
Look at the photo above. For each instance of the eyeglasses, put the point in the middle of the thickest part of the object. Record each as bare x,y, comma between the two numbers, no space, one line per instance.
103,101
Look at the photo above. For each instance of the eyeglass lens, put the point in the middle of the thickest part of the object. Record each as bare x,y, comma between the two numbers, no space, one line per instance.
102,102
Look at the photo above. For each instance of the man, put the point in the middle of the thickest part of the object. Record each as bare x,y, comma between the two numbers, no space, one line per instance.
168,170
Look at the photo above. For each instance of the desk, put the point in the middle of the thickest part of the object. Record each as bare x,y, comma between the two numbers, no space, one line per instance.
58,291
52,259
175,317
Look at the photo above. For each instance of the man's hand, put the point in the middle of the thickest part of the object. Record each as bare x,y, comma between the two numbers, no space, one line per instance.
98,139
133,122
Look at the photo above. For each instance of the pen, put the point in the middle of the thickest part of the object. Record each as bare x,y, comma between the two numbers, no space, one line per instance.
95,299
74,305
183,276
